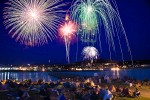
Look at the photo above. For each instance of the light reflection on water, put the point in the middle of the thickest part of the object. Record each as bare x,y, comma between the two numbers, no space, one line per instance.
139,74
35,76
133,73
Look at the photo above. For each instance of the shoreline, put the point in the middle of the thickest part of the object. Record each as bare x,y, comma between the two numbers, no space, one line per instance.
71,70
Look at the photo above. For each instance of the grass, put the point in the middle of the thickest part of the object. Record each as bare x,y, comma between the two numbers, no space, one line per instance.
127,98
145,91
145,88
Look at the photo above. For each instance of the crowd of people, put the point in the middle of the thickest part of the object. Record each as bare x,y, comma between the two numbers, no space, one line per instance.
76,88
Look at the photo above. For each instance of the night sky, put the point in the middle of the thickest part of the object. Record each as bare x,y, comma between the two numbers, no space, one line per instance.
135,15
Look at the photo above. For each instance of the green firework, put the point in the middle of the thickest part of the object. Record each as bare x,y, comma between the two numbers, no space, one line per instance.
95,17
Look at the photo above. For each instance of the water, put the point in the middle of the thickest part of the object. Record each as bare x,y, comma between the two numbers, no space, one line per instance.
35,76
139,74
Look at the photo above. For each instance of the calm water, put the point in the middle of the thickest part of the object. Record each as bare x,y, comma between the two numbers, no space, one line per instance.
139,74
27,75
133,73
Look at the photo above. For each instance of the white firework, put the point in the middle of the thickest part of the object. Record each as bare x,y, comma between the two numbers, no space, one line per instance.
32,22
90,53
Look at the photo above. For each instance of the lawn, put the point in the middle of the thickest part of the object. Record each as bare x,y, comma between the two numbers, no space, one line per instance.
126,98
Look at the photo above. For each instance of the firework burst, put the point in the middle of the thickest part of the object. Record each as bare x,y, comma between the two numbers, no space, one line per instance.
67,31
96,16
32,22
90,53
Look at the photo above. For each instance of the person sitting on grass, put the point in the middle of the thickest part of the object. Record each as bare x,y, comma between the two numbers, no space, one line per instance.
0,86
119,89
61,96
86,95
112,88
101,92
108,95
94,96
22,93
42,92
126,92
136,93
78,95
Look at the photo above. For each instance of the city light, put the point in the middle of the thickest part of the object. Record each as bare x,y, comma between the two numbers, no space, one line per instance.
115,69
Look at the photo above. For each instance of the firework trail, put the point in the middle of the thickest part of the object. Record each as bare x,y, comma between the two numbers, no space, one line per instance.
32,22
68,31
93,16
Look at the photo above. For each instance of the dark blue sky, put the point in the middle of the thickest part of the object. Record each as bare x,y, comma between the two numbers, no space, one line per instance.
135,15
